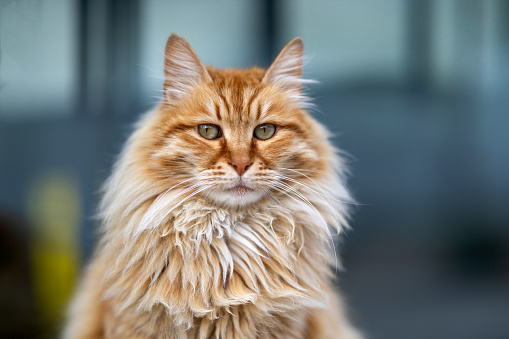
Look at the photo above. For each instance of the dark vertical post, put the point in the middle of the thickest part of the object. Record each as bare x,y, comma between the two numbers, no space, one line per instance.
92,56
418,44
82,48
108,54
269,19
124,57
503,33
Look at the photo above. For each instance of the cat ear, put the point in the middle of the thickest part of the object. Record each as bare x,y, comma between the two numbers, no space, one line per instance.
286,70
182,68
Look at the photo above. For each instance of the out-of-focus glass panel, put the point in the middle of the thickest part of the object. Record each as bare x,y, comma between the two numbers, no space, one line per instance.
38,65
223,33
350,40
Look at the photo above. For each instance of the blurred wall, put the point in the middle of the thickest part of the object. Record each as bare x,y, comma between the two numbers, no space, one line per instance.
38,59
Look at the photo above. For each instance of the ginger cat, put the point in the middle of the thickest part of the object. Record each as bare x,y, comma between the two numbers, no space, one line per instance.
217,218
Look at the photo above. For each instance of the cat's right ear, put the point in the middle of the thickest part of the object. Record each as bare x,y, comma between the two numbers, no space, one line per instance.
182,68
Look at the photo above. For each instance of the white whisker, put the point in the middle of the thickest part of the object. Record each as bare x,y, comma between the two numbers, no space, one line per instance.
149,217
316,212
321,195
351,202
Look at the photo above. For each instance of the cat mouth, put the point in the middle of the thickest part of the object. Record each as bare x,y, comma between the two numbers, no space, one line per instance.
239,190
238,194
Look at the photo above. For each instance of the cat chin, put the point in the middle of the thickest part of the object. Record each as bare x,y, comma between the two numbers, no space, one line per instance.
237,196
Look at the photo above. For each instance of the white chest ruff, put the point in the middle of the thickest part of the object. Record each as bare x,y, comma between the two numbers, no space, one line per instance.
203,261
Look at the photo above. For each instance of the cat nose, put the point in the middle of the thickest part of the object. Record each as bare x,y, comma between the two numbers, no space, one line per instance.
241,163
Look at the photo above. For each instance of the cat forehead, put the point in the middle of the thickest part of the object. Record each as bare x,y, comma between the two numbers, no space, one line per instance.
235,98
238,96
236,78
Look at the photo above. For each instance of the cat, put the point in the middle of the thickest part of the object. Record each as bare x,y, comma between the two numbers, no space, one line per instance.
217,219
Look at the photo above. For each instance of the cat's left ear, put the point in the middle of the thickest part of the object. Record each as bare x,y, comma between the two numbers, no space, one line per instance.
286,70
182,68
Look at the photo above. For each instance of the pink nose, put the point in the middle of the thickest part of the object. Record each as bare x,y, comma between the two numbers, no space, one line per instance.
241,164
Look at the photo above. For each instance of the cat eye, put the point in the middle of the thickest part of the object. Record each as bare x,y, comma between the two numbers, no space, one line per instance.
209,131
265,131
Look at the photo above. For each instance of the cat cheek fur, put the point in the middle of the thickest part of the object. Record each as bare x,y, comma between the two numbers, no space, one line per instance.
193,247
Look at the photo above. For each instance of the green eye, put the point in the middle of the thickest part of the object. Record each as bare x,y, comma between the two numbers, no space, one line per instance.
209,131
265,131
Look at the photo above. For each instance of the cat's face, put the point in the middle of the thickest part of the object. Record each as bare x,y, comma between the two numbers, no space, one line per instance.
236,137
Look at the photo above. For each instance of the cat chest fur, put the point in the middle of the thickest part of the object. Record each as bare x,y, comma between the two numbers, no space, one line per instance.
205,263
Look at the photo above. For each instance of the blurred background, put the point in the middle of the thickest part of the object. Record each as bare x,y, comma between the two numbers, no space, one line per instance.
415,90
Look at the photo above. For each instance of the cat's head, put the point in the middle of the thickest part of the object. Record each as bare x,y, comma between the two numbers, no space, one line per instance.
236,137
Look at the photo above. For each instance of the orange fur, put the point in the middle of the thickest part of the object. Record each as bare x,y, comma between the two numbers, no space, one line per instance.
192,246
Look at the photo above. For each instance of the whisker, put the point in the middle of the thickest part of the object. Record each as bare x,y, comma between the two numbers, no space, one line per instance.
303,198
166,213
161,196
322,172
298,194
325,192
156,207
315,211
320,195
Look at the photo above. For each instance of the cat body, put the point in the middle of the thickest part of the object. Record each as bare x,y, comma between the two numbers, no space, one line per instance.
216,217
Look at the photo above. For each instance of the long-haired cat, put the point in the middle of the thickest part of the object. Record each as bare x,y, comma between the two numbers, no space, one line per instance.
217,218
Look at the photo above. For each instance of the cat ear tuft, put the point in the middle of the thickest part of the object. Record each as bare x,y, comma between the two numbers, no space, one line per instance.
286,70
182,68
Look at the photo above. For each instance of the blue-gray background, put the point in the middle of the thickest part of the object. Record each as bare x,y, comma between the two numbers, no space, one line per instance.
416,92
